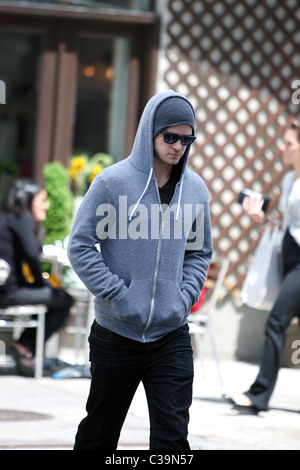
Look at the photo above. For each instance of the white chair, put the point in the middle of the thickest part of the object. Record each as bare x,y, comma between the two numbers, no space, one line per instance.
200,320
21,316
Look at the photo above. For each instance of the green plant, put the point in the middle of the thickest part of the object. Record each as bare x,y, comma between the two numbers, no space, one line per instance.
83,170
59,215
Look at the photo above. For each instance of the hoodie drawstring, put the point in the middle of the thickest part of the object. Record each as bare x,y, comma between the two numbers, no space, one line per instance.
146,187
179,199
141,197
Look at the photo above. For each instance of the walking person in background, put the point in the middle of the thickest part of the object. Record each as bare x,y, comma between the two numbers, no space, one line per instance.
21,236
287,305
144,283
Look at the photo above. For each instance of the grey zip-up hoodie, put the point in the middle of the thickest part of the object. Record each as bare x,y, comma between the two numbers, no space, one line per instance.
145,266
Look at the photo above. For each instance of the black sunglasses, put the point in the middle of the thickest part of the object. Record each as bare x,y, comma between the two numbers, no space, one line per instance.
185,140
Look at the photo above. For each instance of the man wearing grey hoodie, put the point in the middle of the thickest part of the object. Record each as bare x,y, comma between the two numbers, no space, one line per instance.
141,243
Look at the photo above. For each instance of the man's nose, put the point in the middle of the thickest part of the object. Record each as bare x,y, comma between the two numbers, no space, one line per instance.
177,145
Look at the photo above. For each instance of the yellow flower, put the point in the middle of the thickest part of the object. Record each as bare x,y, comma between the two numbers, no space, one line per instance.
94,173
79,162
77,165
73,174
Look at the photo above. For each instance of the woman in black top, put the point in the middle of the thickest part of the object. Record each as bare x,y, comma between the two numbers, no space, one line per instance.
20,242
287,305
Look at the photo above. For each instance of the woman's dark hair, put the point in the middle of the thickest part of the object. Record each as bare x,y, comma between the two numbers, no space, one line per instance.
296,126
19,202
21,195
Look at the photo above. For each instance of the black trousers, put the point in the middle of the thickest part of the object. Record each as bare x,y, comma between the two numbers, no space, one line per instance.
118,366
286,307
58,302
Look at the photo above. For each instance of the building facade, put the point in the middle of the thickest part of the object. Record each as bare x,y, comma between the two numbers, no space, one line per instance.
78,74
239,63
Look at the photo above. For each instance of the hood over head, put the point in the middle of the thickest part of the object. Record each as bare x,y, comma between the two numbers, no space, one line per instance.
163,110
172,112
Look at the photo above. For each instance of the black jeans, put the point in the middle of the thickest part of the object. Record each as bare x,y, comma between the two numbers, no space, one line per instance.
118,365
286,307
58,302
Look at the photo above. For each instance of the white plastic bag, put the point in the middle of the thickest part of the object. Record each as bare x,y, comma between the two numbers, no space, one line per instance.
263,279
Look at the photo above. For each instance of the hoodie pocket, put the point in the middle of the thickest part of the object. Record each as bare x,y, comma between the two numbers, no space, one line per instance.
134,305
171,306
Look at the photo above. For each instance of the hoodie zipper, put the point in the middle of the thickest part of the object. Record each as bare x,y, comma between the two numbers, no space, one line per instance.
155,270
154,278
157,261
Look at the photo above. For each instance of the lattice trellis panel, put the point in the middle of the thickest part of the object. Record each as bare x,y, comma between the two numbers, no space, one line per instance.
236,61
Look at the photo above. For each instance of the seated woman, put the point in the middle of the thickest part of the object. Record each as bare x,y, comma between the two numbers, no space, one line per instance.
20,242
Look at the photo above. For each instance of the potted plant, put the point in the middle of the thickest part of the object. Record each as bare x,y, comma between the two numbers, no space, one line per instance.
59,215
83,170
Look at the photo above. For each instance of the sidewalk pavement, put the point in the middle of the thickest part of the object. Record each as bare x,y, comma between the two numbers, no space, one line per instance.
44,414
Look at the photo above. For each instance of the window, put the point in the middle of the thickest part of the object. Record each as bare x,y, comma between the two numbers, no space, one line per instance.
101,103
19,66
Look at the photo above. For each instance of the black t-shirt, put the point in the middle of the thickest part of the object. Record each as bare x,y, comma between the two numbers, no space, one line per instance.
166,192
